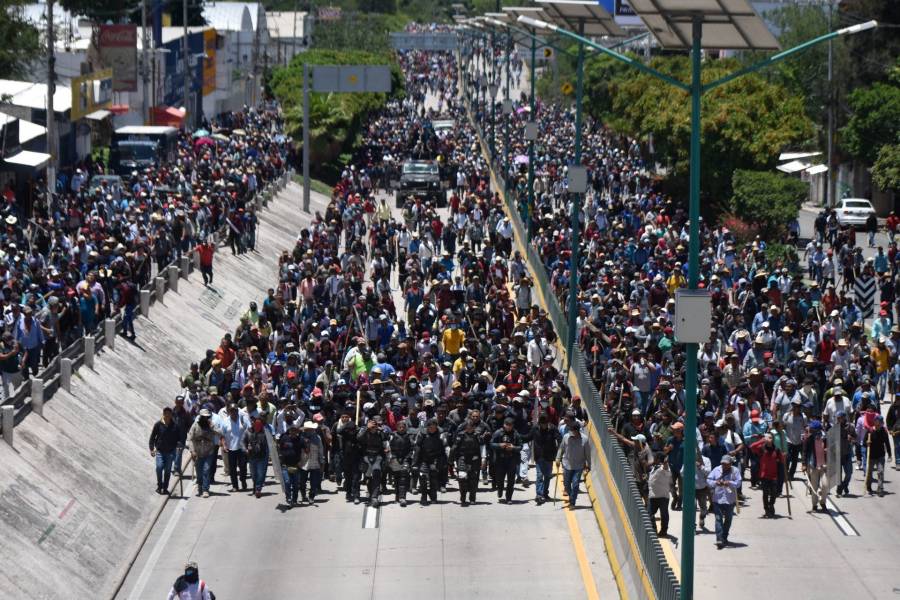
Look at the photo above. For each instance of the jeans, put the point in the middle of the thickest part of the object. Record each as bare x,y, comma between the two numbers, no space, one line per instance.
770,492
544,470
179,452
896,447
291,484
704,497
847,468
875,468
724,514
205,471
571,480
314,476
164,468
258,468
128,321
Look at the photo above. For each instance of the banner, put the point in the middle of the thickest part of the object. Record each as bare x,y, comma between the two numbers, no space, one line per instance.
91,93
173,83
209,63
118,51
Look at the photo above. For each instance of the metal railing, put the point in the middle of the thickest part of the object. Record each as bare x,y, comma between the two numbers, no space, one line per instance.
50,376
655,564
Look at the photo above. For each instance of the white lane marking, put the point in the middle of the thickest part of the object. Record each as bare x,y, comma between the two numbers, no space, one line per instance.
838,516
370,520
150,565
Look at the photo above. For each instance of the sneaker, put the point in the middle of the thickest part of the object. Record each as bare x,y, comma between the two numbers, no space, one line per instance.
402,501
539,500
206,494
822,506
463,503
356,500
232,489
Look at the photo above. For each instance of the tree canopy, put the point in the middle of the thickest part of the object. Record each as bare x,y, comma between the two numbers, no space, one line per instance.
21,42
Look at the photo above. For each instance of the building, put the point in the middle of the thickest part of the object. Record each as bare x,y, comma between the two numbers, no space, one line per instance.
287,36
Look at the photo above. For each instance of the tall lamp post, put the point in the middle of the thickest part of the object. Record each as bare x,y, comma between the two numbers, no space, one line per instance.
680,29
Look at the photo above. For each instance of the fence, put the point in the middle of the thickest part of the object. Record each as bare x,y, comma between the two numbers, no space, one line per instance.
657,568
31,394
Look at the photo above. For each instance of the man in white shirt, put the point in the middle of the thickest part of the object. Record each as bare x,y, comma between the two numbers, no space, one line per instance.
234,423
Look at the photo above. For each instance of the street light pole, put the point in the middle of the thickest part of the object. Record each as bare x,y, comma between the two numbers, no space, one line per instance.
507,116
533,118
575,219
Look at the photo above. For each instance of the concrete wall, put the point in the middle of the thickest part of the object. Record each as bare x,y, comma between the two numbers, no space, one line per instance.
77,488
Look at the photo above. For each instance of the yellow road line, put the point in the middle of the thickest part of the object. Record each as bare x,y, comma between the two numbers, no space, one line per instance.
590,587
671,557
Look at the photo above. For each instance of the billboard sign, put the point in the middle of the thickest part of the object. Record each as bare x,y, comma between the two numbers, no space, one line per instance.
118,51
91,93
437,41
351,78
209,63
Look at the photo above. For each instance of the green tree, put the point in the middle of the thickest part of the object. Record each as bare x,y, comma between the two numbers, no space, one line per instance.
101,11
874,121
886,170
21,41
766,198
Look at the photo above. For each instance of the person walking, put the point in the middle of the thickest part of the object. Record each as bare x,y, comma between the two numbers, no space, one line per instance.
30,338
506,445
545,439
814,464
724,481
660,484
770,460
201,440
256,447
164,438
879,447
234,424
128,301
189,586
290,448
311,459
467,455
575,454
206,250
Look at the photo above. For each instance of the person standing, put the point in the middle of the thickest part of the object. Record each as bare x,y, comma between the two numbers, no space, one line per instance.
201,440
290,451
575,454
429,459
770,460
31,339
401,446
189,586
257,448
164,438
847,440
467,454
724,481
9,363
128,301
703,493
879,447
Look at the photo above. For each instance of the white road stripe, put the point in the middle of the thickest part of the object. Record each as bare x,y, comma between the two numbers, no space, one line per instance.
838,516
150,565
370,521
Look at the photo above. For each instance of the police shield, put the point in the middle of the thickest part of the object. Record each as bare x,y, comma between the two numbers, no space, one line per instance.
833,456
273,454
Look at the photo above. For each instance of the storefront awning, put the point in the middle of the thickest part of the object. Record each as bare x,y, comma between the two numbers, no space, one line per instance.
168,115
27,158
97,115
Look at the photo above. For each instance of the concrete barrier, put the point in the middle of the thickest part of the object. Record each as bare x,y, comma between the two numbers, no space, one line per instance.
37,395
65,374
109,331
90,346
160,289
9,423
145,303
184,264
173,278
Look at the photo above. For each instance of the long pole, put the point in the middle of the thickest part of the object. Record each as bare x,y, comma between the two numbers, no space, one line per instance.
576,204
145,67
830,179
186,65
305,137
493,82
532,117
689,480
507,116
52,138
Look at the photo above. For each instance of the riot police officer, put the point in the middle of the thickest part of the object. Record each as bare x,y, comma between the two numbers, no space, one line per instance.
506,446
429,459
373,445
467,454
399,462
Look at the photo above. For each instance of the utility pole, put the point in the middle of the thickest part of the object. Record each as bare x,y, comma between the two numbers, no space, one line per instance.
52,140
253,92
186,60
830,177
145,68
294,36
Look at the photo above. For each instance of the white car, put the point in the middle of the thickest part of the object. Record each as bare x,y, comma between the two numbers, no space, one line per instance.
853,211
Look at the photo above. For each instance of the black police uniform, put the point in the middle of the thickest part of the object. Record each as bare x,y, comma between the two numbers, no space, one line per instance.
506,462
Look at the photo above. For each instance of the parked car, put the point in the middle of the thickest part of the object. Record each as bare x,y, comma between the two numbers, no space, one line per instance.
853,212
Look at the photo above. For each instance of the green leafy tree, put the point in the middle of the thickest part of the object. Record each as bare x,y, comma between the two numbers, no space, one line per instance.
767,198
21,42
874,121
886,170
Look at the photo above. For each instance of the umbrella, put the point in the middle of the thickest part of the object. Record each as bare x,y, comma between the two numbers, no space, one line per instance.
238,132
220,137
523,109
521,159
204,141
201,133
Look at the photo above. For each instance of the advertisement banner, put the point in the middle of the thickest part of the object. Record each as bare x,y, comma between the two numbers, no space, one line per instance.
91,93
209,63
118,51
173,84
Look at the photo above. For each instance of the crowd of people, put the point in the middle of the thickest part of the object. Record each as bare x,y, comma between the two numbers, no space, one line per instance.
333,380
88,247
792,365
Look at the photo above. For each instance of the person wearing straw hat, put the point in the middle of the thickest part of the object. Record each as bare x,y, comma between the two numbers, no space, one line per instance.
724,480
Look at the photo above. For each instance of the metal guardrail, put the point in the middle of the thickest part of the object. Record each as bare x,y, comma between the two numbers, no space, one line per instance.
656,565
20,398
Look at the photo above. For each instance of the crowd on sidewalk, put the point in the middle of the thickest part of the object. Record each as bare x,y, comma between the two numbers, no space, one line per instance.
792,365
87,248
333,380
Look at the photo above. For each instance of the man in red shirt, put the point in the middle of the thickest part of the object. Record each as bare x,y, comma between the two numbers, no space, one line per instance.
770,461
206,251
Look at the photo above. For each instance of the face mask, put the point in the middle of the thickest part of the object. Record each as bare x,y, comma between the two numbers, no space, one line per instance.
258,426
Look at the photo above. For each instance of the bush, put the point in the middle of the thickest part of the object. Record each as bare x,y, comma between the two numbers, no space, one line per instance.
743,232
767,200
782,255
